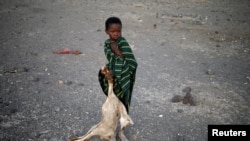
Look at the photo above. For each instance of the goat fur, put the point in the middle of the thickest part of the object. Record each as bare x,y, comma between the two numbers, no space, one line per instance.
112,111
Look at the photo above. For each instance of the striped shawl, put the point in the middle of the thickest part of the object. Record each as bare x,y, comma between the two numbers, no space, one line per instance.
124,70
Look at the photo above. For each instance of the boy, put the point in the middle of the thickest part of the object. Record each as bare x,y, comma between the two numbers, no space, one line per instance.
121,62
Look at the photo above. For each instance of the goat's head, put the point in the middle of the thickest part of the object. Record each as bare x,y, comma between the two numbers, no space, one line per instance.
105,70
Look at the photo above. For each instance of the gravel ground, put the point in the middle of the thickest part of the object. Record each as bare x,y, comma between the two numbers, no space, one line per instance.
200,44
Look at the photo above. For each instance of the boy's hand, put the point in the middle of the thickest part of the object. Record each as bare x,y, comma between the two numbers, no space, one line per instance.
109,75
115,50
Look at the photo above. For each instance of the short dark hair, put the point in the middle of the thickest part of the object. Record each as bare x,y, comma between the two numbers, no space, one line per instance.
112,20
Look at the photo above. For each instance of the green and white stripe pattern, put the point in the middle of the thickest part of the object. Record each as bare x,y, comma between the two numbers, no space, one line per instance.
124,70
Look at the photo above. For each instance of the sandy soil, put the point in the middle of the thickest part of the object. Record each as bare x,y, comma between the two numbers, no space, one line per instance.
201,44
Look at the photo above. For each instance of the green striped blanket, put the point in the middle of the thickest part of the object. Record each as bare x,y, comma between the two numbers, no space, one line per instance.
124,70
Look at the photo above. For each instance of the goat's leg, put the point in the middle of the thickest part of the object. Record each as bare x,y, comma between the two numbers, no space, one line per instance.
124,121
121,135
124,117
92,132
113,137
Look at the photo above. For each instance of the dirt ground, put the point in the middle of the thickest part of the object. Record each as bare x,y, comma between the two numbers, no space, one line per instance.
201,44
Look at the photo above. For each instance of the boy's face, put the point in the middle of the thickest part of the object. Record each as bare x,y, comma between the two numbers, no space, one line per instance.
114,31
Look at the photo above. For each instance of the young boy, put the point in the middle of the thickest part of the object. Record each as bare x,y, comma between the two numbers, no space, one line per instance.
121,62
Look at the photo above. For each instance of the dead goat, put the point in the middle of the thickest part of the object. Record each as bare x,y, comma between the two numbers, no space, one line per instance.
112,111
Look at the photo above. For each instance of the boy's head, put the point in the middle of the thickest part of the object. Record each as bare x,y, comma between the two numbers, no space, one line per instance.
112,20
113,27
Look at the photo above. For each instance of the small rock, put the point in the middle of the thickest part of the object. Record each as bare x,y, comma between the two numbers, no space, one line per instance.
177,98
23,69
210,72
217,45
248,77
60,82
57,109
187,90
180,110
80,84
155,26
188,99
34,79
68,82
148,102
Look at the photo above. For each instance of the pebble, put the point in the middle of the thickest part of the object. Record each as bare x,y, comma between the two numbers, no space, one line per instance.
57,109
177,98
186,90
60,82
180,110
210,72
